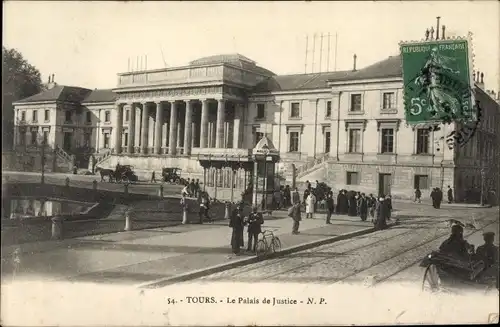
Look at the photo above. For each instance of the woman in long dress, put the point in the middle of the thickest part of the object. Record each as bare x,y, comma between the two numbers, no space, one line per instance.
310,202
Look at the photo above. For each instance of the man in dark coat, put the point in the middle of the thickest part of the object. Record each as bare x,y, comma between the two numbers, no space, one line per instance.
339,200
418,195
439,193
255,220
434,197
450,194
382,214
372,204
295,214
236,223
363,207
353,207
287,194
329,207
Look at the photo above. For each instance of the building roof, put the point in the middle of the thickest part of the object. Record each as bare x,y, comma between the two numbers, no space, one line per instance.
58,93
222,58
235,59
102,95
390,67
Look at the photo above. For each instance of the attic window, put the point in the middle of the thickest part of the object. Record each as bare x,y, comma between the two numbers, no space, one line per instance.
88,117
261,111
68,116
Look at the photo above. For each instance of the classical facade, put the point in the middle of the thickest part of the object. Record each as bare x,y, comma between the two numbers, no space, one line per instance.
346,127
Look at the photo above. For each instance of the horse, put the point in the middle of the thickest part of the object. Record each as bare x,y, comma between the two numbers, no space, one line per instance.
106,172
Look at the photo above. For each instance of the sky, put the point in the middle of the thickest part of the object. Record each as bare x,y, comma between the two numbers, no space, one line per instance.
87,43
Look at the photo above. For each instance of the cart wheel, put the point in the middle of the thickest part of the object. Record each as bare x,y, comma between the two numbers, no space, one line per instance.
261,248
276,244
431,282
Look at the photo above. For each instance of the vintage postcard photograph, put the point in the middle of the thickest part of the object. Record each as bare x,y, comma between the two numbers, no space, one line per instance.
250,163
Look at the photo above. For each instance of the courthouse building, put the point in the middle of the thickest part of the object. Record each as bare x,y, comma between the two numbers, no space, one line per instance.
344,127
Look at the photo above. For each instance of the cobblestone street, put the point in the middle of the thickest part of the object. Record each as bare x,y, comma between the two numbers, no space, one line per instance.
381,257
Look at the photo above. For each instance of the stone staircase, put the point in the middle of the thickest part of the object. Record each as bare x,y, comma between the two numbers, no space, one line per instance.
303,169
100,158
64,161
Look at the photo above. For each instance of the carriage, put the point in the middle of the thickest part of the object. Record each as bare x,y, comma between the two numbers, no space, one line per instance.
122,173
172,175
447,274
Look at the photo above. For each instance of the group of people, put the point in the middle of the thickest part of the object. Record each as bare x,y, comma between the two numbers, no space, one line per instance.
238,221
192,188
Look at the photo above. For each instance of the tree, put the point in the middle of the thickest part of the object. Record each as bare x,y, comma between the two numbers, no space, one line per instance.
20,80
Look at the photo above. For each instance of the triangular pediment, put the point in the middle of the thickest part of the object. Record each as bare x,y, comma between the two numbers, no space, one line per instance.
265,146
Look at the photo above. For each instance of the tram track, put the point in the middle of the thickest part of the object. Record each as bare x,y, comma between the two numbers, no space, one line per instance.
437,235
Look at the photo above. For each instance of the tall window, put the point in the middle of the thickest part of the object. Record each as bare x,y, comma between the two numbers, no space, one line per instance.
22,137
125,139
387,140
23,115
355,140
106,140
295,110
127,115
352,178
46,115
35,116
88,117
355,102
68,116
388,101
34,135
294,142
421,182
107,116
328,109
422,141
45,137
327,142
261,110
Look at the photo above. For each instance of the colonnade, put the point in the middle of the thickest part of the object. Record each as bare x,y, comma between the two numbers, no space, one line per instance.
206,135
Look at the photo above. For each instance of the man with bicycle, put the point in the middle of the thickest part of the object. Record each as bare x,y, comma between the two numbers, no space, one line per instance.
255,220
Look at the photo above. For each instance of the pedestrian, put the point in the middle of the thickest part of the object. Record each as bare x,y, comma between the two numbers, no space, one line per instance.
307,191
153,177
372,203
204,206
310,202
450,195
382,211
363,207
352,205
277,199
418,195
185,190
197,187
287,194
255,220
294,212
329,207
439,197
237,223
388,199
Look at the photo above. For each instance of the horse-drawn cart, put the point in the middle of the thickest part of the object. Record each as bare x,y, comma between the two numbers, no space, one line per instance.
122,173
448,274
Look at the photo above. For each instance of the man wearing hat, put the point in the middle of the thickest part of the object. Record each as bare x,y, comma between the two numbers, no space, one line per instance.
488,252
255,220
456,245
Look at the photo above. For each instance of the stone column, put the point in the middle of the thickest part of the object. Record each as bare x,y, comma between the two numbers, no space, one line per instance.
237,128
221,117
118,129
204,124
158,127
173,128
138,114
188,127
334,126
145,128
131,130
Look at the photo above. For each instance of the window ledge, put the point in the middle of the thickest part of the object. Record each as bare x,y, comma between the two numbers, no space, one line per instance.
259,118
355,153
295,118
387,154
46,121
355,112
107,122
423,154
389,111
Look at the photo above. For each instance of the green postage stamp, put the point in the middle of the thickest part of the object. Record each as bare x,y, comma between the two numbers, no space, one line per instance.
438,81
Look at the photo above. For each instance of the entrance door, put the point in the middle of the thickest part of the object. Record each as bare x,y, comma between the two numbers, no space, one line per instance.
67,140
327,142
384,184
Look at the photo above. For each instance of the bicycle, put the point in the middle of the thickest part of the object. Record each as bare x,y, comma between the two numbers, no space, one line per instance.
268,244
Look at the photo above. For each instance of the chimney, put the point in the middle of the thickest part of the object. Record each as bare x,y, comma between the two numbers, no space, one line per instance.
51,82
437,30
354,65
442,32
480,80
52,78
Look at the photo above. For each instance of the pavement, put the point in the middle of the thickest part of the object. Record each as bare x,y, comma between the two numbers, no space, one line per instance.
153,255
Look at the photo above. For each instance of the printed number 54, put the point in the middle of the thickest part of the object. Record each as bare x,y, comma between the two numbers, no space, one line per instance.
416,106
